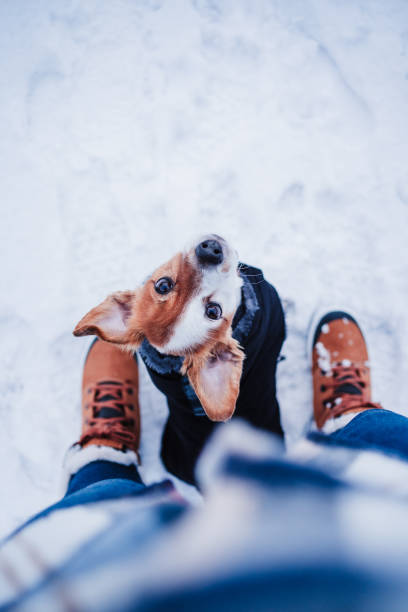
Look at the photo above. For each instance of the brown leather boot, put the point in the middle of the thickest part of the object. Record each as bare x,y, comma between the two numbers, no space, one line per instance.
340,368
110,401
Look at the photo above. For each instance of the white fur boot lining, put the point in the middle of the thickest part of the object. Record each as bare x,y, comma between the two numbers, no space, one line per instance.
77,457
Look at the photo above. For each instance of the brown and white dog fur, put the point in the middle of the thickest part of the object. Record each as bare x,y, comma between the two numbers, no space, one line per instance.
176,323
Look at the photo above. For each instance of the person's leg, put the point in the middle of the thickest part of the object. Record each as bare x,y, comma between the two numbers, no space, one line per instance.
376,429
103,464
97,471
109,443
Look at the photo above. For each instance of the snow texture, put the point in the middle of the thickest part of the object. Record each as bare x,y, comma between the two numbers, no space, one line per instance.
128,127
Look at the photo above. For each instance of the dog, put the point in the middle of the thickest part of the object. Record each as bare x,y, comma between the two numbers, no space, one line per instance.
209,331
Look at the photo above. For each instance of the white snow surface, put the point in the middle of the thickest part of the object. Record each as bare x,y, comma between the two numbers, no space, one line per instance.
128,127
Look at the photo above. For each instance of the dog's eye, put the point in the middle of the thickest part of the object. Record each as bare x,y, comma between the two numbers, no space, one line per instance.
213,311
164,285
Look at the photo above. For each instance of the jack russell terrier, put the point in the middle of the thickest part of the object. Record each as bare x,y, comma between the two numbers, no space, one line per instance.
209,331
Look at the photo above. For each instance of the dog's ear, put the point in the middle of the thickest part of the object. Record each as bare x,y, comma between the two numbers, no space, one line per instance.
113,320
215,377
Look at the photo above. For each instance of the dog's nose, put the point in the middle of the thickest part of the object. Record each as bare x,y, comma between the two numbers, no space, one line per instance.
209,252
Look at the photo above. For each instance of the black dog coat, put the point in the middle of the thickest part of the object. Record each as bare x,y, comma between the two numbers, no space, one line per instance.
259,327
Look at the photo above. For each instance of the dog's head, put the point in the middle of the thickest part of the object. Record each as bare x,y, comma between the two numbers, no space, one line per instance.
184,308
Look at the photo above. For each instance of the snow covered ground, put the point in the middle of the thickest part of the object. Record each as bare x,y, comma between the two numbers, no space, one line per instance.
126,127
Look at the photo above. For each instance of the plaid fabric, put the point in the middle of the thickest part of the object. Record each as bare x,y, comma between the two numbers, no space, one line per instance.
322,528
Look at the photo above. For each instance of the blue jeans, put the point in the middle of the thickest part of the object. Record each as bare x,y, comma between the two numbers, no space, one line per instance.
102,480
98,471
373,429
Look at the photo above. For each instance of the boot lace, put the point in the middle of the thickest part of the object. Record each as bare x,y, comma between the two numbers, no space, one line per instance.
109,419
348,389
